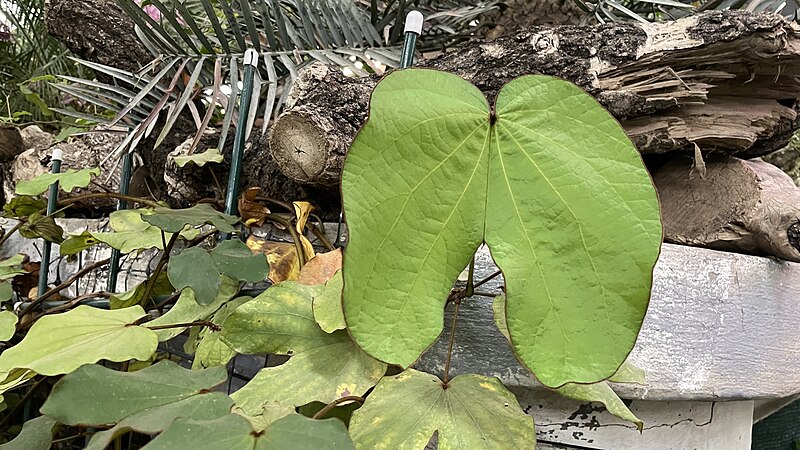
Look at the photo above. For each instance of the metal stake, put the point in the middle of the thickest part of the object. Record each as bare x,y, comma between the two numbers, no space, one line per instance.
124,187
52,201
412,29
250,64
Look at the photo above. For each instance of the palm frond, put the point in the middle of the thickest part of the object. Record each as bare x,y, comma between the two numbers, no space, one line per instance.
196,45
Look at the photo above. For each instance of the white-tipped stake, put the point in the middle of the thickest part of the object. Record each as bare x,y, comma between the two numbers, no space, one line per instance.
58,154
414,21
251,57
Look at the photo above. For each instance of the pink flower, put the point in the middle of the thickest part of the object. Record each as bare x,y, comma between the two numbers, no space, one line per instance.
151,10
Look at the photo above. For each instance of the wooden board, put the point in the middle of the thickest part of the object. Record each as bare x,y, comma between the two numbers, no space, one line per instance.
720,326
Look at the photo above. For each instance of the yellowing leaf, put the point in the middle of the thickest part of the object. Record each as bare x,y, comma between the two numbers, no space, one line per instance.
301,211
212,155
282,258
472,412
60,343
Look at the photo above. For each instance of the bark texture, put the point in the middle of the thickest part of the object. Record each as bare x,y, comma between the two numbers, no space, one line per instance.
97,30
746,206
724,80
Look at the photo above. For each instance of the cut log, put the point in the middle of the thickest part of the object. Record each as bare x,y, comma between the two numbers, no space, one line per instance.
743,206
723,80
11,144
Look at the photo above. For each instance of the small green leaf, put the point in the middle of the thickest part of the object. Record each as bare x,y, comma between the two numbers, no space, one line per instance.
174,220
629,373
601,393
228,432
6,291
132,233
8,325
234,432
211,351
60,343
269,413
280,320
323,367
234,259
23,206
194,268
68,181
76,244
128,298
96,395
36,434
45,227
212,155
499,312
187,309
328,305
211,405
296,432
11,267
473,412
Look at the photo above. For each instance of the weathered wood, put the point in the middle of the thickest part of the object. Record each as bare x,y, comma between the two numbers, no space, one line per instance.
720,326
722,80
738,205
97,30
11,143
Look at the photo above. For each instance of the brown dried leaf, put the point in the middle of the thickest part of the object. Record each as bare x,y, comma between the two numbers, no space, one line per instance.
250,210
320,269
284,265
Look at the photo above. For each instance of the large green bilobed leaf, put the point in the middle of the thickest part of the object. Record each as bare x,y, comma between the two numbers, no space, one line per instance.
471,412
550,182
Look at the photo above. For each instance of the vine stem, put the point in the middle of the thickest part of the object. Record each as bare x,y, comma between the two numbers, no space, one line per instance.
350,398
10,232
151,283
63,285
450,344
487,279
301,257
197,323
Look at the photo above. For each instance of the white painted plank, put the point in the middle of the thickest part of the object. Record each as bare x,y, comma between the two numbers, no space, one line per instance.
720,326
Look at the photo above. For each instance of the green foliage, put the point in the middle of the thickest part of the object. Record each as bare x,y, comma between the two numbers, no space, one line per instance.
546,181
29,58
175,220
40,226
23,206
328,305
323,366
301,433
59,344
188,309
471,411
132,233
8,325
67,181
11,267
36,434
78,243
211,351
95,395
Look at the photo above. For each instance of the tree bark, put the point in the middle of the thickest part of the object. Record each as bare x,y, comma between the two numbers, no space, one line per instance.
746,206
722,80
97,30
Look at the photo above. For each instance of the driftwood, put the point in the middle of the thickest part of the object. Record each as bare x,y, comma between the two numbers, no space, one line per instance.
750,206
722,80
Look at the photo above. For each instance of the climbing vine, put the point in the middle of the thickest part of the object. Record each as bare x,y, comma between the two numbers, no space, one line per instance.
545,177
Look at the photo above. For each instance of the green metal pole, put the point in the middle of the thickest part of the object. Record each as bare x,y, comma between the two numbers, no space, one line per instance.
413,28
250,64
124,187
52,201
